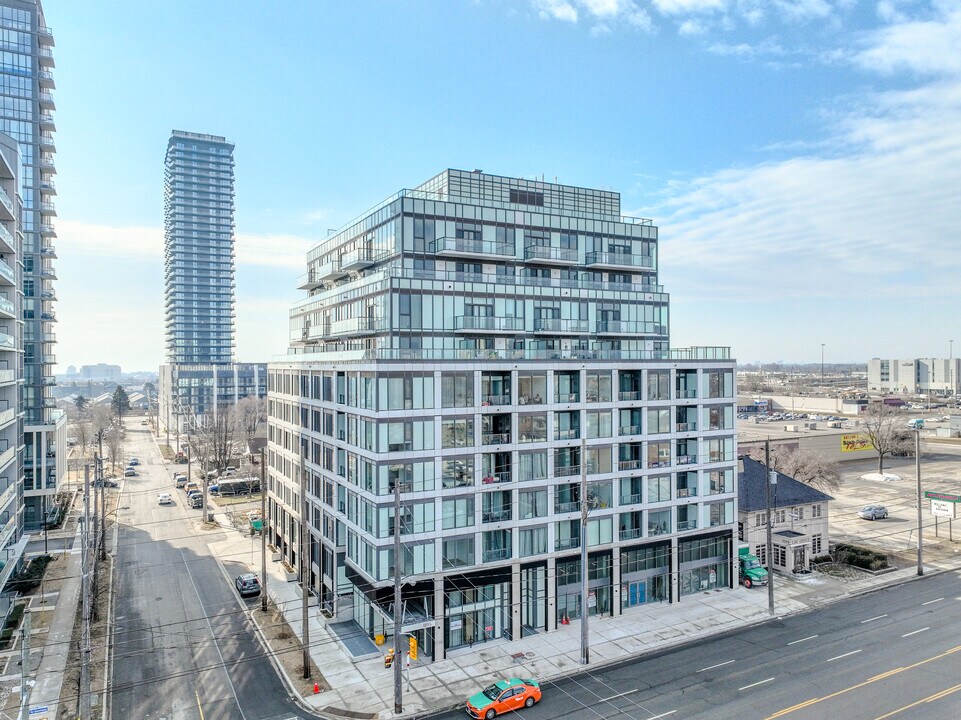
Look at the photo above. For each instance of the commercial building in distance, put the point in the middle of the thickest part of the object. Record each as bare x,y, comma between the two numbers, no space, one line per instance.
26,114
919,376
201,374
480,342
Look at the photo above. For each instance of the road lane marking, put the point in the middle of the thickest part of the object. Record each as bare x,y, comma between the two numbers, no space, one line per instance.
930,698
711,667
877,617
619,695
915,632
809,637
931,602
838,657
199,708
761,682
662,715
895,671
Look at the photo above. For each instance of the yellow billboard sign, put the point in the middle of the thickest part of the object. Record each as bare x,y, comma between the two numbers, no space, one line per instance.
855,442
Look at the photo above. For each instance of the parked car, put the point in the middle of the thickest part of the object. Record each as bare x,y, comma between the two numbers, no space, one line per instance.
143,422
164,499
247,585
873,512
196,502
504,696
194,493
133,461
180,479
129,472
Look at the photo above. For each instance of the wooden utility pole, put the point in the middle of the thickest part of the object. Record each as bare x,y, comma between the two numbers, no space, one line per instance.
84,700
769,479
263,530
585,591
917,472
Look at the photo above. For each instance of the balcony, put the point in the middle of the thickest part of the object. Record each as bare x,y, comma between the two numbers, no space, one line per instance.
685,427
630,395
44,35
558,325
48,273
566,470
567,543
7,376
496,478
353,327
7,342
48,166
7,308
630,464
462,247
492,438
572,434
6,206
629,327
474,324
6,238
618,260
686,393
686,525
48,251
46,79
683,492
7,416
49,402
48,187
496,400
634,499
7,276
45,56
495,554
46,101
536,254
49,359
48,209
630,430
46,230
686,459
631,533
567,507
356,260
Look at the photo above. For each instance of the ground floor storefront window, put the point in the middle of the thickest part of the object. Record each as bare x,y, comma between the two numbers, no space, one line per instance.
704,563
476,615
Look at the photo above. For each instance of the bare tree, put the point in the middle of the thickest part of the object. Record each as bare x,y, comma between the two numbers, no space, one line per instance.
885,427
805,466
114,443
250,414
83,433
216,440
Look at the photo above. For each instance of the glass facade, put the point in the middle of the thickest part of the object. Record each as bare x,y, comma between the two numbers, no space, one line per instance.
484,341
26,115
199,249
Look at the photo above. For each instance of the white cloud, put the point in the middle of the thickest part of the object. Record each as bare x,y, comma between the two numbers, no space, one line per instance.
929,47
139,242
557,9
686,7
691,27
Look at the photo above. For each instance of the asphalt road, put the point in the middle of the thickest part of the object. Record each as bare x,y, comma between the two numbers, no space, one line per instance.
891,654
184,647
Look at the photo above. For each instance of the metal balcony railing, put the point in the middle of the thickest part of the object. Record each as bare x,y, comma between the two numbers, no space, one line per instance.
615,258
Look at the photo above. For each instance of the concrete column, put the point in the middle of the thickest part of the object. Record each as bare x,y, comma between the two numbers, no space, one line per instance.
551,594
616,582
439,615
675,573
515,601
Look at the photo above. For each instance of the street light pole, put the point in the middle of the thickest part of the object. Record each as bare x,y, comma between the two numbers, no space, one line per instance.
917,472
304,557
768,477
822,365
398,607
263,530
585,610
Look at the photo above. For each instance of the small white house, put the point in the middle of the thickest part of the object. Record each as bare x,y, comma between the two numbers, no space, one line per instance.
799,518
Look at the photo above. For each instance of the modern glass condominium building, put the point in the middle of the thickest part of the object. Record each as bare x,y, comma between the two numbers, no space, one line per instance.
481,341
26,115
199,251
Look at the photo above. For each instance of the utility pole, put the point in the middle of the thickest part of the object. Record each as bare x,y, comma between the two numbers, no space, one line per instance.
25,663
304,556
770,479
398,608
585,610
263,530
917,472
43,500
84,700
97,482
822,365
103,521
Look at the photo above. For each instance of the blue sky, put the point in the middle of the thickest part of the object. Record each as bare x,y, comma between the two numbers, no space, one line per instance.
802,158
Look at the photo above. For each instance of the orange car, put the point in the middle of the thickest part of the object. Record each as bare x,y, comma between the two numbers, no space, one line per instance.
503,696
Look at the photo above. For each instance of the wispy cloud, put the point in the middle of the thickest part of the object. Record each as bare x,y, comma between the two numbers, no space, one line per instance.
282,251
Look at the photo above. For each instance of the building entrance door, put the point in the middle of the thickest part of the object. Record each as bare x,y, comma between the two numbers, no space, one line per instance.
799,564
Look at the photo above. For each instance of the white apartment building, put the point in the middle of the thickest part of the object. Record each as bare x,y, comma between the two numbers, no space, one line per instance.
482,341
920,376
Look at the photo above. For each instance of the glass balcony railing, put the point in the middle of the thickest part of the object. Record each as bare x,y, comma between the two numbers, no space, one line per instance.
6,202
683,492
630,430
686,459
619,259
6,273
720,353
567,543
497,478
6,306
559,325
686,525
464,246
630,464
495,438
631,533
567,470
7,342
566,507
631,499
7,376
685,427
550,254
7,237
630,327
496,400
7,416
495,554
488,324
631,395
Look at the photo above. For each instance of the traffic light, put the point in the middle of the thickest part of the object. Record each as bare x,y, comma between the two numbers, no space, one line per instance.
412,649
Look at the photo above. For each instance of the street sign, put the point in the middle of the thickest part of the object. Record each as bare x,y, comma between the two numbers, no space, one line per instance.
947,497
38,710
943,508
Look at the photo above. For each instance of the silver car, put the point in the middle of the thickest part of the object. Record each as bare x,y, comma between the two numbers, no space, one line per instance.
873,512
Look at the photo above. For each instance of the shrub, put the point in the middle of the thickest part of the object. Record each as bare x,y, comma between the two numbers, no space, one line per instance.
822,559
860,557
30,577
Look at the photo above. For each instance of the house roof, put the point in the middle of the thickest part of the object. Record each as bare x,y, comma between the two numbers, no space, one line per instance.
786,493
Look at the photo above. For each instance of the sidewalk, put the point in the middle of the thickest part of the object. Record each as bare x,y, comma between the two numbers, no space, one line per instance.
365,687
49,677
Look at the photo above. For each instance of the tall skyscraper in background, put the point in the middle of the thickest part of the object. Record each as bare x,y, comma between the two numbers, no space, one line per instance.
199,252
200,375
26,82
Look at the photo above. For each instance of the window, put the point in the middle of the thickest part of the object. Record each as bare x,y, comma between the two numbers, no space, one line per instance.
598,386
815,511
458,512
458,472
458,552
721,481
533,541
532,504
532,428
457,389
658,421
599,424
532,466
659,385
778,516
527,197
457,433
780,555
532,388
797,513
719,383
599,460
761,552
659,488
816,545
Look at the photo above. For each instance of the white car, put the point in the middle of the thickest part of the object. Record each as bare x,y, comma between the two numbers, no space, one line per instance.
165,498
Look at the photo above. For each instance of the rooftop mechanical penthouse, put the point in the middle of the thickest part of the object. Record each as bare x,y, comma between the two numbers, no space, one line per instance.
482,340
